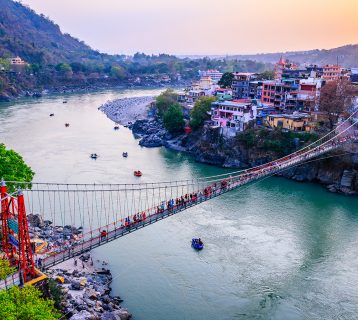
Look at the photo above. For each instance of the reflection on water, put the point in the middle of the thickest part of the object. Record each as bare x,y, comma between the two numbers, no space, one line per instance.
276,250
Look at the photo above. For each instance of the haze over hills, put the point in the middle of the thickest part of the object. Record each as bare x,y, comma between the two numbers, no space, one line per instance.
347,56
37,39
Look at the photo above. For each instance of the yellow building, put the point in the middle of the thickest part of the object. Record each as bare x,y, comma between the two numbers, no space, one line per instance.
292,122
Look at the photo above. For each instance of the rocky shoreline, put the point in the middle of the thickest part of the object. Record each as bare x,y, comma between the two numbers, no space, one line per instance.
83,283
126,110
338,175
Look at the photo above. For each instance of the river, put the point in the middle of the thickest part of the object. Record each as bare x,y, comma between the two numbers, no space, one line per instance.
275,250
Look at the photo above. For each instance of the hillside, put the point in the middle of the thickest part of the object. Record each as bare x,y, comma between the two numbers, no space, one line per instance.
37,39
347,56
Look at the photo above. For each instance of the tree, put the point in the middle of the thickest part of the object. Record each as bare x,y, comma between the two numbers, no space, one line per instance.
5,269
267,75
118,72
226,80
13,168
64,69
174,119
200,111
26,304
4,64
336,99
165,100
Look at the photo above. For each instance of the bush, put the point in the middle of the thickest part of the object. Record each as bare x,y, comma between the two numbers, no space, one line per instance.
200,111
281,143
13,168
5,269
174,119
165,100
26,304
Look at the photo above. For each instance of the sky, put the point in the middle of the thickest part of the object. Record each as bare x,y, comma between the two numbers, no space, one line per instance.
205,27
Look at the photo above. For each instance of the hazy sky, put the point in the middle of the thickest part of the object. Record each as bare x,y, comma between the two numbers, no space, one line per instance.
205,26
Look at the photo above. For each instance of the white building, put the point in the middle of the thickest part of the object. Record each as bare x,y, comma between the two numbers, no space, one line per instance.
17,61
215,75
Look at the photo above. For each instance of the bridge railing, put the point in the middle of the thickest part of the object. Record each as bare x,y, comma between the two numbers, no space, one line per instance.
10,281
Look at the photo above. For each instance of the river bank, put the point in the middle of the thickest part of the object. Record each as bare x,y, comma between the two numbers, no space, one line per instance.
338,173
83,283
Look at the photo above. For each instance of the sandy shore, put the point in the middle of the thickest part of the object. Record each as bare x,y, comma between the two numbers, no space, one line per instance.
126,110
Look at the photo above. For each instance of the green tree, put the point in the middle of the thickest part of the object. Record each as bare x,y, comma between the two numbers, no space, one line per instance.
200,111
13,168
226,80
64,68
4,64
26,304
165,100
118,72
5,269
174,119
267,75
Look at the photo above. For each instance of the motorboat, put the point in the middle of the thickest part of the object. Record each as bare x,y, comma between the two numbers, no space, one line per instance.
197,244
125,154
138,173
94,156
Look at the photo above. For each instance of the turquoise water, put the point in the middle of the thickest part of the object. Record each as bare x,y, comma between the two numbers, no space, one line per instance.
275,250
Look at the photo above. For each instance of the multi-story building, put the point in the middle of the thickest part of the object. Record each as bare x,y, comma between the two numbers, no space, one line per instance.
332,72
306,98
274,93
232,116
214,74
255,90
241,84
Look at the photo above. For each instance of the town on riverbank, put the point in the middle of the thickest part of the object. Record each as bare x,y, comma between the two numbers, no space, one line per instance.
240,120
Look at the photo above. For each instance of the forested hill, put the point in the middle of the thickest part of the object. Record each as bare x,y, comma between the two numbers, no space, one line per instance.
347,56
37,39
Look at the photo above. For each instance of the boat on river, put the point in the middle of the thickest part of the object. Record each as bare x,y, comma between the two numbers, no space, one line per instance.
197,244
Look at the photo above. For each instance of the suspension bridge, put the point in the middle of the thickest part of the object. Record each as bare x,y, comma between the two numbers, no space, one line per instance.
80,217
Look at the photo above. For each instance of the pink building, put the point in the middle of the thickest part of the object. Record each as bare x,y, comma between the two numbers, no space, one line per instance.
332,72
233,116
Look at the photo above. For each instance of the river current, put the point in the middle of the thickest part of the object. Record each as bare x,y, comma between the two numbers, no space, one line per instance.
275,250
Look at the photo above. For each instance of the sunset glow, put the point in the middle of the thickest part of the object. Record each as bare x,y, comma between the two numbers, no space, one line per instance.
192,27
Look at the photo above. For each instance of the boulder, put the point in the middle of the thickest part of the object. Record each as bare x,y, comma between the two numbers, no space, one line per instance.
109,316
83,315
36,220
123,314
75,285
151,141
